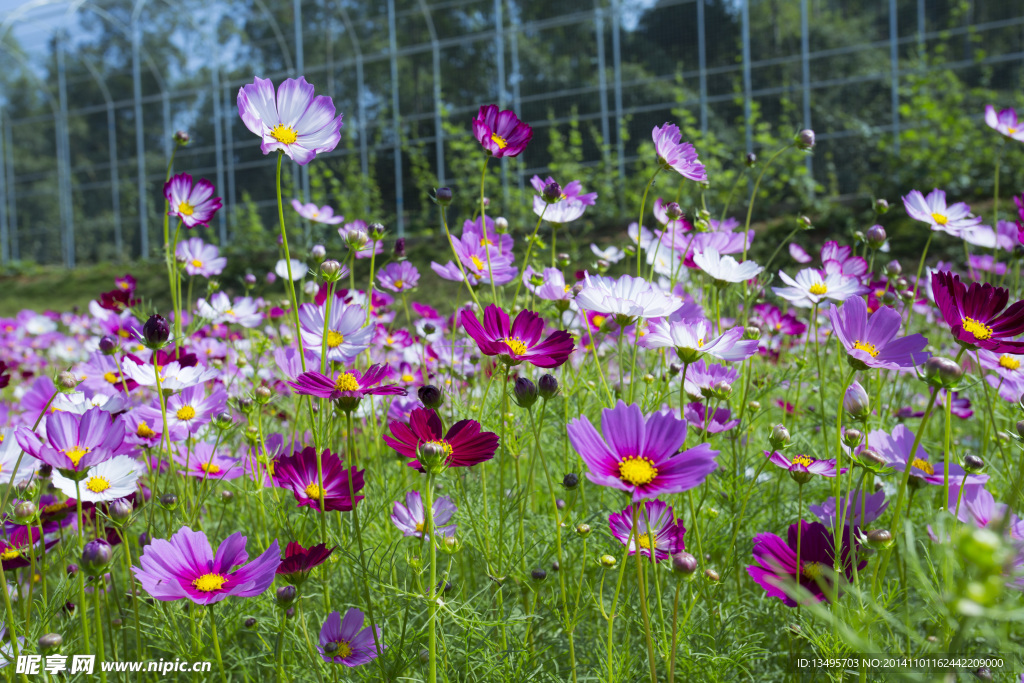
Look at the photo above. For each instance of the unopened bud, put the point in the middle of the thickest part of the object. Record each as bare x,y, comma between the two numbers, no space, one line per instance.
169,501
754,406
50,642
182,137
973,464
443,196
430,396
856,401
608,561
108,345
685,564
318,252
751,159
879,538
67,380
751,333
525,392
552,192
779,437
120,510
156,331
852,438
881,206
805,139
875,236
25,512
712,576
96,555
356,239
400,248
942,372
570,481
674,211
250,622
286,595
501,225
893,269
547,386
538,575
582,530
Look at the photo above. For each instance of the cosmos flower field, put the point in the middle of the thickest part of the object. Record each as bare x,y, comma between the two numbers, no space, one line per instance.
652,460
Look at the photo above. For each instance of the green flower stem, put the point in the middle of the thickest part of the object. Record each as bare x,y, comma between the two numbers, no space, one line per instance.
169,257
917,278
640,222
483,230
529,250
288,264
458,261
83,606
428,534
753,198
98,614
216,645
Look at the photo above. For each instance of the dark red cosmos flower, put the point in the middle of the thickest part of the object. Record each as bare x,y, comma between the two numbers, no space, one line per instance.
14,549
5,378
117,300
298,562
464,445
298,473
975,314
520,341
349,387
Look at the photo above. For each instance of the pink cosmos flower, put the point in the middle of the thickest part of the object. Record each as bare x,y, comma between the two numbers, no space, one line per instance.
193,204
291,120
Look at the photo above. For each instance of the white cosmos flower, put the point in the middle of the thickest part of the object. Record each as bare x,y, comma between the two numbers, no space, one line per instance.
77,403
106,481
172,375
628,295
811,288
219,309
692,338
725,268
612,254
298,269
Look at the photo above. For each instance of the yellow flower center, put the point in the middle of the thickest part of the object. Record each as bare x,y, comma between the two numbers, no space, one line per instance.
97,484
419,526
515,345
644,541
314,491
186,413
210,582
637,471
804,460
75,454
124,285
445,446
599,320
979,329
10,554
342,649
334,339
811,570
283,133
399,284
54,507
197,263
1009,362
111,377
939,218
867,347
818,288
185,209
924,466
501,142
144,431
477,262
209,468
1011,131
407,377
346,382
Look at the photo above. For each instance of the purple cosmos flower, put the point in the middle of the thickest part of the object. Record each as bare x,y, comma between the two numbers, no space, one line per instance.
16,546
1005,122
810,287
220,310
186,567
629,296
772,320
803,466
701,377
717,422
347,642
693,338
640,454
400,276
204,463
975,313
76,442
610,254
840,259
566,208
798,253
193,204
317,214
348,335
552,285
895,450
200,258
871,341
298,473
678,156
411,517
501,132
292,120
777,571
298,562
874,505
520,341
192,408
481,259
953,220
657,529
464,444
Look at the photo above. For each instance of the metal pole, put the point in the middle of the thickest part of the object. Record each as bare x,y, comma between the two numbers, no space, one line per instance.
165,111
620,143
920,31
805,76
517,76
218,145
702,63
894,67
747,113
140,141
5,252
435,50
602,83
12,196
300,67
229,199
499,58
64,159
396,119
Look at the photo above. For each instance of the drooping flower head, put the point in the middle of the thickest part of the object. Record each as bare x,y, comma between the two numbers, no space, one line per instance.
501,132
200,258
298,473
679,156
411,517
186,567
292,120
1005,122
640,454
463,445
298,562
656,529
871,340
318,214
347,642
975,313
76,442
193,204
519,341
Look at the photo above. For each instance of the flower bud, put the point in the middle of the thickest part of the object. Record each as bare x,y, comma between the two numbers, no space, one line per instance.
973,464
608,561
856,401
430,396
805,222
1020,426
227,496
431,456
805,140
582,530
376,231
250,280
25,512
318,252
712,576
356,239
852,438
875,236
570,481
750,160
400,248
286,595
547,386
96,555
443,196
870,458
779,437
751,333
525,393
108,345
721,390
156,331
120,510
501,225
559,503
555,566
881,206
538,575
552,192
50,643
893,269
879,538
858,236
182,137
685,564
263,394
169,501
250,622
674,211
67,380
942,372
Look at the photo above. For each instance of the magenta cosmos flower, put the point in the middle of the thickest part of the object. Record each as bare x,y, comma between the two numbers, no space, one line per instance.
318,214
298,473
464,445
871,340
298,562
292,120
975,313
501,132
657,530
1005,122
679,156
76,442
640,454
520,341
193,204
200,258
346,641
777,571
186,567
802,467
411,517
348,387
